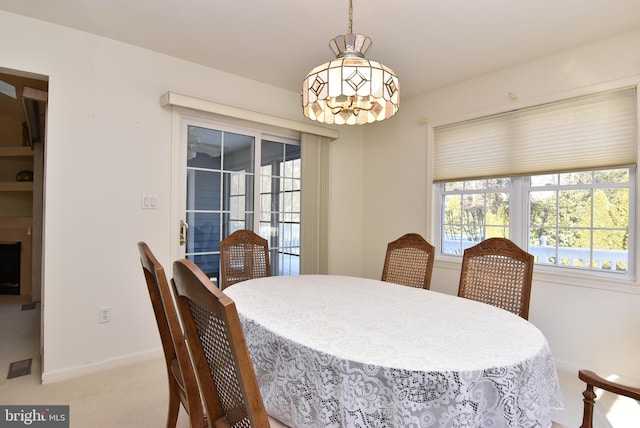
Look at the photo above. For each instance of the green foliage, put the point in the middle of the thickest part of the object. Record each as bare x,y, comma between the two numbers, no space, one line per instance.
477,217
566,213
566,217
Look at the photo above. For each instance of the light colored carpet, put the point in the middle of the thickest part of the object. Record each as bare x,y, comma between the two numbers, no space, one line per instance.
131,396
136,396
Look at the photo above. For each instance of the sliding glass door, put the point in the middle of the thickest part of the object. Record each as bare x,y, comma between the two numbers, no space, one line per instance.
239,179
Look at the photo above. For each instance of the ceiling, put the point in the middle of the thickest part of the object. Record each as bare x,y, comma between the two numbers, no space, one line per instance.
428,44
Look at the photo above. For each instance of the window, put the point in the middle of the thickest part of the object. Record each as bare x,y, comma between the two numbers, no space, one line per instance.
473,211
558,179
581,219
576,219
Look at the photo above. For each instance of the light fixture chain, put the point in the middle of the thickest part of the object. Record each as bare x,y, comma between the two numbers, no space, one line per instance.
350,16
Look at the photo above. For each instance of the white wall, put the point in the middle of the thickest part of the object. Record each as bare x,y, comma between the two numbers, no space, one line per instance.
345,210
108,142
594,326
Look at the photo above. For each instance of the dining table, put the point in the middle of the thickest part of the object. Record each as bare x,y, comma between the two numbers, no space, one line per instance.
342,351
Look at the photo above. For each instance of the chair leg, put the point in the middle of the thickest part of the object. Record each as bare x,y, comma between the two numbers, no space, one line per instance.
174,405
589,401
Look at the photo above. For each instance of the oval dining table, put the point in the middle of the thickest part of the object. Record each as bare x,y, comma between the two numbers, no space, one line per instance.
338,351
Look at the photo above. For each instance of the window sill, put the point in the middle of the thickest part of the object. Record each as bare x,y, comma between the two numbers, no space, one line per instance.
568,277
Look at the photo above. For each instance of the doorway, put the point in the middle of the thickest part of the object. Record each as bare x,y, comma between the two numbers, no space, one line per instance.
23,107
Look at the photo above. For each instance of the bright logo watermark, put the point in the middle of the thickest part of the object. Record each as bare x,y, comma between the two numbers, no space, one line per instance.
34,416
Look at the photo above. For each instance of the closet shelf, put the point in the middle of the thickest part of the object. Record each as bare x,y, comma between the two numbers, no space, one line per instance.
16,186
16,151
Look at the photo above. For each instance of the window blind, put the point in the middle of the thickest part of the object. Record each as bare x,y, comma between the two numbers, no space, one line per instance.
588,132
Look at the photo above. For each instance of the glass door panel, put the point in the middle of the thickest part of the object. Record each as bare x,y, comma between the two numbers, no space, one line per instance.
280,205
219,191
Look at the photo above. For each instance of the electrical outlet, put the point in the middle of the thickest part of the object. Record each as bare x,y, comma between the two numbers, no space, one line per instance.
105,314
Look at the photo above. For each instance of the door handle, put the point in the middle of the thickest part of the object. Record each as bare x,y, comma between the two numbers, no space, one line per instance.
184,229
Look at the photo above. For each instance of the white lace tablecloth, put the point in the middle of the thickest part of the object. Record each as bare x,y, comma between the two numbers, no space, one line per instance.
334,351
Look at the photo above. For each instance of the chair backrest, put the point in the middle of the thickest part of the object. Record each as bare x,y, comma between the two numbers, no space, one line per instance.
409,261
498,272
179,366
593,380
243,255
215,338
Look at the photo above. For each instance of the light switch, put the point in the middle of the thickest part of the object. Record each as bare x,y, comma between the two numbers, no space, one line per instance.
149,202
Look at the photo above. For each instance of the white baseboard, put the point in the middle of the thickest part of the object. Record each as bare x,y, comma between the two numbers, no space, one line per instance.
99,366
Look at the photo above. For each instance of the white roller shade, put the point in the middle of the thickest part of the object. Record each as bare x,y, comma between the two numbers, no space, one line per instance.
582,133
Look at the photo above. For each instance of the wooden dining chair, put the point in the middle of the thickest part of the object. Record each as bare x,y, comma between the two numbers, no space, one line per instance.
498,272
409,261
183,387
243,255
221,358
594,381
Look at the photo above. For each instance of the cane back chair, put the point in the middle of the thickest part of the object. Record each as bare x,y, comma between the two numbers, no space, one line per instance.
220,355
243,255
183,387
498,272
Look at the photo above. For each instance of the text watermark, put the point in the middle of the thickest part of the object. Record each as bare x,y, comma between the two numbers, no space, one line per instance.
34,416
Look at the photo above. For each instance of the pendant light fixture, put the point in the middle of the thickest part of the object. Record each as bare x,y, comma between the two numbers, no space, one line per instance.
350,90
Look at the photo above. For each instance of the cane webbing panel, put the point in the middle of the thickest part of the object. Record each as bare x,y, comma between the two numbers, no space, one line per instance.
243,255
409,261
497,272
244,261
217,351
219,356
407,266
496,280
